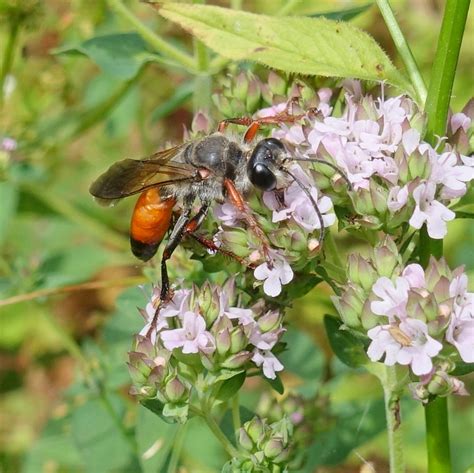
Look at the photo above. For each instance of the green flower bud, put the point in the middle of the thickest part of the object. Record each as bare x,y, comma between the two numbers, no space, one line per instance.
283,456
419,165
379,195
269,321
238,339
175,390
245,440
362,201
273,447
253,96
368,318
241,86
237,241
276,83
361,272
386,257
223,342
237,360
256,430
350,305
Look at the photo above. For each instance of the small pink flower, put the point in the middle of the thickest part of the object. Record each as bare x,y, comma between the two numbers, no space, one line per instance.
275,274
461,332
227,213
268,361
429,210
192,338
244,316
415,275
460,120
451,175
411,140
407,343
397,198
394,297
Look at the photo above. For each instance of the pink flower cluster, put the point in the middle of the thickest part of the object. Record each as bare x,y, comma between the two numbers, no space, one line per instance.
377,146
205,322
412,333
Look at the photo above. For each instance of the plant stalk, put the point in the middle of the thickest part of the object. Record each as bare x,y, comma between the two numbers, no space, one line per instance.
236,413
404,50
177,448
437,435
8,56
153,39
444,67
229,448
392,414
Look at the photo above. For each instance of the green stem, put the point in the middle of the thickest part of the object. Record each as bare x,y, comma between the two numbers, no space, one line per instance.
288,7
212,424
154,40
8,55
444,67
403,49
177,448
437,436
236,413
392,414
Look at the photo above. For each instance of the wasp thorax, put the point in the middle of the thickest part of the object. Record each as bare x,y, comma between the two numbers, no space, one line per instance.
265,159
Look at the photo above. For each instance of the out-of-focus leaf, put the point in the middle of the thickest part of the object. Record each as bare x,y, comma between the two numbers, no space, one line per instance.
154,440
230,386
203,451
355,424
310,46
120,55
348,347
102,443
462,368
302,357
54,446
343,15
182,93
9,201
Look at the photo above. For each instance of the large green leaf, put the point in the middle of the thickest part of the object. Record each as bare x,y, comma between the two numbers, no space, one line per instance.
120,55
311,46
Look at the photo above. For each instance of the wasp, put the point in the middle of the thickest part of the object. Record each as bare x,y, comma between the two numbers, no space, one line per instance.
205,170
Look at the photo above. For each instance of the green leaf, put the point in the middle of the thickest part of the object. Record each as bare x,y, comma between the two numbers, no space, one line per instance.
276,384
343,15
355,424
182,93
155,439
303,357
120,55
347,346
462,368
230,386
310,46
99,437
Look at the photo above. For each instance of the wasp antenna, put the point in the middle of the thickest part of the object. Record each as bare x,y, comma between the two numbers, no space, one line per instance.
313,202
333,166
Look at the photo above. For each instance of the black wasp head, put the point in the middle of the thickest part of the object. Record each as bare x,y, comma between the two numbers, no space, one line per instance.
266,158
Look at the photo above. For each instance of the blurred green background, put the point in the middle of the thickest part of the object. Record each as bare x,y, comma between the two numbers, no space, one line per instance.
71,119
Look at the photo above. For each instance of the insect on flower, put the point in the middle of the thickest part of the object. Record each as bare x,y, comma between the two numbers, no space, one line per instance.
206,170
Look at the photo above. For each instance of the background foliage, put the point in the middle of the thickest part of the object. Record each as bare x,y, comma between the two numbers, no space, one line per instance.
84,89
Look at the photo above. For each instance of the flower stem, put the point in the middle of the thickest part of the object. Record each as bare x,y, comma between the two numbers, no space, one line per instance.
236,413
404,50
392,414
177,448
154,40
444,67
8,55
212,424
437,436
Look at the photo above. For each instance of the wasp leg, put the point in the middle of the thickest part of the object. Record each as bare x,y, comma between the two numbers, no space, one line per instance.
237,199
253,124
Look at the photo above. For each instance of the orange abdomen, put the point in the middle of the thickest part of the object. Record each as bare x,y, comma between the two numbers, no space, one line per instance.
151,219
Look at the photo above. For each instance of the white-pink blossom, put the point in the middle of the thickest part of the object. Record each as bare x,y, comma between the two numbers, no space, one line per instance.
393,297
429,210
274,273
268,361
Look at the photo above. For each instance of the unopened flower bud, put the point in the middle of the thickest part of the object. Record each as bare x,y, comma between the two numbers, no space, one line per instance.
237,360
256,429
361,272
245,440
273,447
238,339
276,83
223,342
419,165
237,241
283,456
379,195
269,321
241,86
386,258
175,390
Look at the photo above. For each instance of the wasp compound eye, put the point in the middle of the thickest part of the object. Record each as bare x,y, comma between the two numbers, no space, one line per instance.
262,178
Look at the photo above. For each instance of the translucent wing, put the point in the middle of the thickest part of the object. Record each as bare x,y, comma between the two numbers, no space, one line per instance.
132,176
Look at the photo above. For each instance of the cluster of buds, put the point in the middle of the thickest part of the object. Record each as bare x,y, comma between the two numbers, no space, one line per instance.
201,338
268,447
421,318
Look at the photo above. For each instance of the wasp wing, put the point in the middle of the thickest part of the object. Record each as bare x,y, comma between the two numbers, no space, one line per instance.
132,176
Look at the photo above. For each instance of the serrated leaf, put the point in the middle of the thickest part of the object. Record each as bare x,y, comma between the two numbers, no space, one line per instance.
120,55
348,347
310,46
